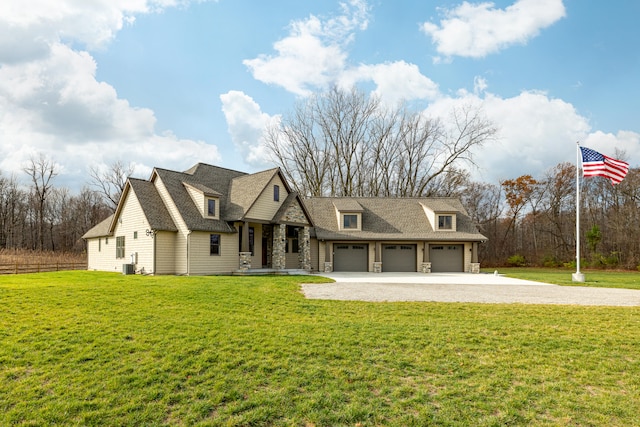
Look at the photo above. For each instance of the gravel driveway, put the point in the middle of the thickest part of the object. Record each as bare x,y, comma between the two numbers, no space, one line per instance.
462,287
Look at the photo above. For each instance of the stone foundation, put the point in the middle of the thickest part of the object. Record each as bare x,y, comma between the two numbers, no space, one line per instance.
475,268
328,267
245,261
425,267
377,267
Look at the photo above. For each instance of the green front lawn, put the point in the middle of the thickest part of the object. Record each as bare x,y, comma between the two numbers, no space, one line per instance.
86,348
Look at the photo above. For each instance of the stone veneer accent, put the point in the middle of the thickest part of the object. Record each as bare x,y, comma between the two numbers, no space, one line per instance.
377,267
475,267
425,267
295,214
278,254
245,261
328,267
304,253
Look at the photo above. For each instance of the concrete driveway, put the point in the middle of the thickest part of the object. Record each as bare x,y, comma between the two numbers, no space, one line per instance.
462,287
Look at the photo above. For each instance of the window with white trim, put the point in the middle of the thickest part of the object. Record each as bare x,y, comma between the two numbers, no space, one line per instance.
445,222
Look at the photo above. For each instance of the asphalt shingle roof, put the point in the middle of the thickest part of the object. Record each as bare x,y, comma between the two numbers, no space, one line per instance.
99,230
214,178
244,191
392,219
154,209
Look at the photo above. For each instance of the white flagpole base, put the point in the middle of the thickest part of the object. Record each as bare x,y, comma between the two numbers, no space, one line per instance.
577,277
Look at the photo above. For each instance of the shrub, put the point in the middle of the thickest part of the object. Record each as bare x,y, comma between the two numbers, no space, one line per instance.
516,261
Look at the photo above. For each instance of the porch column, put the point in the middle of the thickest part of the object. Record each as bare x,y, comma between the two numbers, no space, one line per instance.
377,263
245,253
426,261
244,246
475,265
305,248
278,256
328,260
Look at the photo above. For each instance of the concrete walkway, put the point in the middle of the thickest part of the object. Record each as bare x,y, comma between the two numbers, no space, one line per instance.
462,287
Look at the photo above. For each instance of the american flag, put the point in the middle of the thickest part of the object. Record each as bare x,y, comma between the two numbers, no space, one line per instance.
596,164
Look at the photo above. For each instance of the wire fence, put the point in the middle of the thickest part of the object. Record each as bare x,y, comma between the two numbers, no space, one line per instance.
40,267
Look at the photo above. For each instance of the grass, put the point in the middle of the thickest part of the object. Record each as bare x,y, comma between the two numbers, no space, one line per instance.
87,348
593,278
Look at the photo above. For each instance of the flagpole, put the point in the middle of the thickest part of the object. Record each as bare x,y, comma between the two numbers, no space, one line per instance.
577,276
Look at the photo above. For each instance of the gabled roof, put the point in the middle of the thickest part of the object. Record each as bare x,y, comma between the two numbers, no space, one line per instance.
244,191
292,201
152,206
347,205
392,219
99,230
213,178
203,189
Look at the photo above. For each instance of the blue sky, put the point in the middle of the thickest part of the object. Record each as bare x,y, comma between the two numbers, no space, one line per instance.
169,83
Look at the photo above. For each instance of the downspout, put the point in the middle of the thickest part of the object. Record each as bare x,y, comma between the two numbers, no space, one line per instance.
153,236
188,253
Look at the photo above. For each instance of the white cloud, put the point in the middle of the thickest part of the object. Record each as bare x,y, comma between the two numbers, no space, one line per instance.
313,55
478,29
247,124
536,132
395,82
51,102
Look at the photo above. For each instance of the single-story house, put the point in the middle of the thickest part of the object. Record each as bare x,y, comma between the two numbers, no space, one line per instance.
213,220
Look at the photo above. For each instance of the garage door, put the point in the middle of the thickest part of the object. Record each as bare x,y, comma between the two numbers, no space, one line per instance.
446,258
398,258
349,257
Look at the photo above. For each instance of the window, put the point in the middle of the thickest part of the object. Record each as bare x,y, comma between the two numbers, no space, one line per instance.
99,245
276,193
120,247
135,234
106,240
445,222
350,221
292,240
214,244
211,207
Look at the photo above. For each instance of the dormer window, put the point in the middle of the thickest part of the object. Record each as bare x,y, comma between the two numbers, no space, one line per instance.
350,221
348,214
211,207
445,222
276,193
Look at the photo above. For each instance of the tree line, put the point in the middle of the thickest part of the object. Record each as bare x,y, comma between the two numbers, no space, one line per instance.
35,214
347,143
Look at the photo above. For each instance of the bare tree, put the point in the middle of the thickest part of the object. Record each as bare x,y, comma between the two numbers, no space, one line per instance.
345,143
41,171
110,183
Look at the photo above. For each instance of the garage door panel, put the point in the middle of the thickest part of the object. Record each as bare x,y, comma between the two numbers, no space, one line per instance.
446,258
350,257
397,258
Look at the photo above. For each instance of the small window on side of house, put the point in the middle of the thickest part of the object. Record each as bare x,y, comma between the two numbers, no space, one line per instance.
214,244
211,207
135,234
445,222
120,247
99,244
276,193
